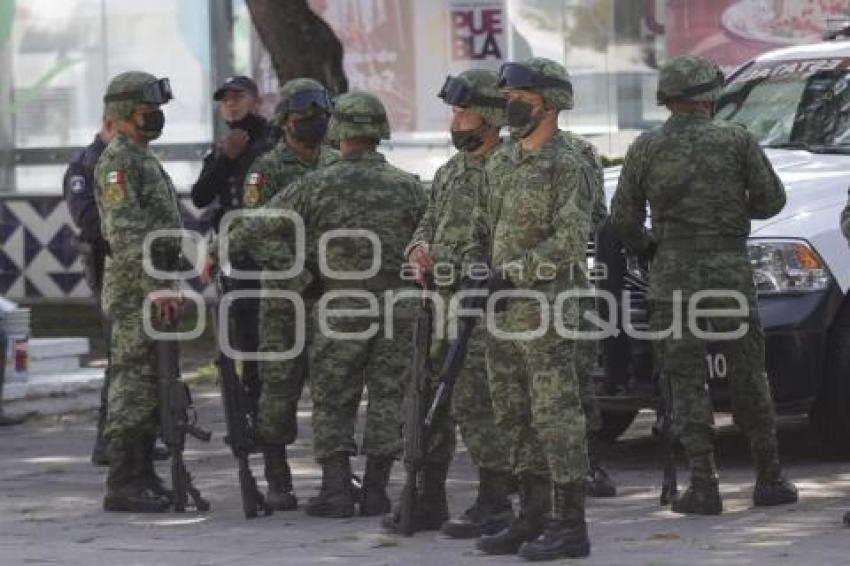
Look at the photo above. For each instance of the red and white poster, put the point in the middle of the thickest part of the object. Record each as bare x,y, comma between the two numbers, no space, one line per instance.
730,32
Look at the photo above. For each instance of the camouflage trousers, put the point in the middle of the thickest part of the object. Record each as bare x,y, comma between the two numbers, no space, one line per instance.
472,411
688,362
536,398
339,370
586,354
132,392
282,381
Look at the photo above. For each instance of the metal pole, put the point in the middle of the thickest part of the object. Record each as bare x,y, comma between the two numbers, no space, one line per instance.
7,118
221,51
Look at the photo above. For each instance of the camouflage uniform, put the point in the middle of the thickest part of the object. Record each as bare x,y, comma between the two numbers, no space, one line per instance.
443,230
134,196
703,181
363,192
532,217
536,397
586,350
282,381
599,484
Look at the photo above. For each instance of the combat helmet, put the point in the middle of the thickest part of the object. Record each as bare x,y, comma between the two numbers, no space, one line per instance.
128,89
297,95
358,114
690,77
478,90
541,75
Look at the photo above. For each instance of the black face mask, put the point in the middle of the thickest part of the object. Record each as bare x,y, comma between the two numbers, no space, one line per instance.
246,123
152,124
467,140
310,130
522,120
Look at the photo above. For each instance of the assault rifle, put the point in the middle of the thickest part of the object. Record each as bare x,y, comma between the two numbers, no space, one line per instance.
177,418
425,403
240,415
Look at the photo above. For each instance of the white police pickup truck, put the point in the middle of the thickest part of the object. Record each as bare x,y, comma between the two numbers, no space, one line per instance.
796,101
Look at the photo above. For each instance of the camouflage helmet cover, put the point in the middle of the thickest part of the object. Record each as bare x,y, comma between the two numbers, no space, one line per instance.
484,84
129,89
358,114
290,89
559,96
690,77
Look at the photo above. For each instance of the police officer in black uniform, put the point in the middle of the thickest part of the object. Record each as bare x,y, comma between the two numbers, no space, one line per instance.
219,187
78,187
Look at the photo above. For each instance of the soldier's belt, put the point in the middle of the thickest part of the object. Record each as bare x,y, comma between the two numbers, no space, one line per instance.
705,244
378,283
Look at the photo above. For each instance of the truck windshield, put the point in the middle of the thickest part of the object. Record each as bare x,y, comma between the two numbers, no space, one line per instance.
792,104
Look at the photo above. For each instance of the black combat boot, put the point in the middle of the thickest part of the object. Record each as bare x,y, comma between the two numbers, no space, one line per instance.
280,496
771,487
124,491
147,475
491,512
703,495
374,500
432,508
534,498
566,531
335,499
599,483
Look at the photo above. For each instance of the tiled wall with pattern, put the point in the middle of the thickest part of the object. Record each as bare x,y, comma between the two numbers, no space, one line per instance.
38,251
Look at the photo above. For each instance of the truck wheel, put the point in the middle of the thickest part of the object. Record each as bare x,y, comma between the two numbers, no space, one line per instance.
615,423
830,414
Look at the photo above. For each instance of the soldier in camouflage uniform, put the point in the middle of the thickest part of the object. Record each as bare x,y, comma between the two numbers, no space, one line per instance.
302,114
361,191
134,196
704,181
478,114
599,484
531,220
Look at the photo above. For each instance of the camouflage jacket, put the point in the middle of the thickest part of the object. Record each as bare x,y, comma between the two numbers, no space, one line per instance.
446,222
702,180
590,157
134,196
358,192
266,178
532,210
361,192
276,169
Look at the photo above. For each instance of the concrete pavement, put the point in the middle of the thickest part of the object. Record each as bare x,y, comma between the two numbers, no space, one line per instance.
50,512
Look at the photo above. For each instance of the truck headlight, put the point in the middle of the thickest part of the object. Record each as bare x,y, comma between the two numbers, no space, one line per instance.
787,266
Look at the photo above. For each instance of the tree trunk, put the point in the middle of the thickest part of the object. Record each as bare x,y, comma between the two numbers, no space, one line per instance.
301,44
